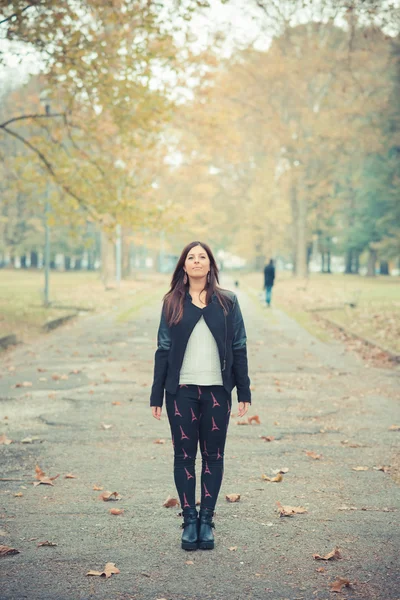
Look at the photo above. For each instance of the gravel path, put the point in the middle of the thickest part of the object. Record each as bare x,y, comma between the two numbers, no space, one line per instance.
310,396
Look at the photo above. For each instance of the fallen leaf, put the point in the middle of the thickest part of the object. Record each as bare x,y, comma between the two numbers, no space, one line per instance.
275,479
360,468
170,502
242,422
232,497
289,511
109,570
347,507
64,377
24,384
384,468
70,476
283,470
334,554
18,495
55,376
5,440
46,543
340,583
42,478
233,548
42,378
394,428
7,550
109,496
159,442
97,488
104,426
189,562
321,570
268,438
27,440
116,511
42,370
313,455
116,403
254,418
75,372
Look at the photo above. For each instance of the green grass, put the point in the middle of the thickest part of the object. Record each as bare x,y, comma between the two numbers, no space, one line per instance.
376,316
21,297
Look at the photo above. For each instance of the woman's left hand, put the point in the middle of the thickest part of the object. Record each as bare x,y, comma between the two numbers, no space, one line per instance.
243,408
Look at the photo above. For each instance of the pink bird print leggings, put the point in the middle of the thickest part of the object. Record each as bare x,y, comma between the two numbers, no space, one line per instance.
199,415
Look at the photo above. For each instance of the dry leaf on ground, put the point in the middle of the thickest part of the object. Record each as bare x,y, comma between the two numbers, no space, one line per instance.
232,497
7,550
109,496
243,422
283,471
116,511
233,548
394,428
116,403
109,570
46,543
321,570
159,442
289,511
275,479
170,502
42,478
5,440
360,468
24,384
255,419
189,562
18,495
268,438
97,488
313,455
334,554
384,468
70,476
104,426
340,583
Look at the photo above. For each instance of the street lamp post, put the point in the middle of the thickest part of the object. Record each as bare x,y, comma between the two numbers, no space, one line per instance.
46,249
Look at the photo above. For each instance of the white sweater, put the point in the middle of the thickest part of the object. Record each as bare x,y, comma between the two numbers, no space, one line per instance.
201,364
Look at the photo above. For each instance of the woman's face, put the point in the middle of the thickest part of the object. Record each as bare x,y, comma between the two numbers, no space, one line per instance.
197,263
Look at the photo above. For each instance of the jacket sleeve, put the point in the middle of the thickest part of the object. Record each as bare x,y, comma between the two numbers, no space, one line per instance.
239,348
160,362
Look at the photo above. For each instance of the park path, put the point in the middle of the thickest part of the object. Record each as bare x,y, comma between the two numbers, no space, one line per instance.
311,396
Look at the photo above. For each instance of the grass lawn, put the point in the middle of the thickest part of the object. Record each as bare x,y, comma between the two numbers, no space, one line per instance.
376,316
21,297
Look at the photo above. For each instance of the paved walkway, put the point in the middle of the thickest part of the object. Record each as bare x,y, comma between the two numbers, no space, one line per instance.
312,397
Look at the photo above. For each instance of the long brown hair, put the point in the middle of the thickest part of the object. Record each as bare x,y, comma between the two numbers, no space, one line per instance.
175,297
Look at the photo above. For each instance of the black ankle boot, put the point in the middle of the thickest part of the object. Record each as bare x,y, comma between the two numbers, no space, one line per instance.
189,526
206,525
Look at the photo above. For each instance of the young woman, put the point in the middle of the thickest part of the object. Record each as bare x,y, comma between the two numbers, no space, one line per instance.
201,357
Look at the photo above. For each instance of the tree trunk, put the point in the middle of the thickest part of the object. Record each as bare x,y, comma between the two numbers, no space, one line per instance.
78,264
294,207
53,264
384,267
301,252
371,263
23,261
356,263
328,262
349,262
107,260
34,259
67,263
322,262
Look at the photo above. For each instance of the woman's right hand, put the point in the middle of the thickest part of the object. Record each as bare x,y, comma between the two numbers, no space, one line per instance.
156,411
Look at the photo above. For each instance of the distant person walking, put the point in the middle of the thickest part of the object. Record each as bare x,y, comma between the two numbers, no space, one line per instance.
269,277
201,357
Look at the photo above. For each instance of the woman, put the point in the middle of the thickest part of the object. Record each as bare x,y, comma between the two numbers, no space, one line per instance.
201,357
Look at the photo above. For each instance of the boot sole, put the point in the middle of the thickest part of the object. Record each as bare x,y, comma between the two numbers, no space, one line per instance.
189,545
206,545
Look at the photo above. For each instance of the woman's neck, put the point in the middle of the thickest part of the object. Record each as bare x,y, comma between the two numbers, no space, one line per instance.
196,287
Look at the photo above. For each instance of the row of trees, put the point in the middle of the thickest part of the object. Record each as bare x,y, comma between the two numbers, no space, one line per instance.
282,151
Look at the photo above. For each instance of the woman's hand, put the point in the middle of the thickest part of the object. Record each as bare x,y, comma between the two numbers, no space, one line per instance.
243,408
156,410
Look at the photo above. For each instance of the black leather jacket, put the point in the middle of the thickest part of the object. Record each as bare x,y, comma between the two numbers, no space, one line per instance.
229,333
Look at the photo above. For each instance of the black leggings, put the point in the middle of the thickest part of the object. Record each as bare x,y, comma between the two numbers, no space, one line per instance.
199,414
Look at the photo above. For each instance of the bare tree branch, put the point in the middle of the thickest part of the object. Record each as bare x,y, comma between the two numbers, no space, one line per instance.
18,13
24,117
50,169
